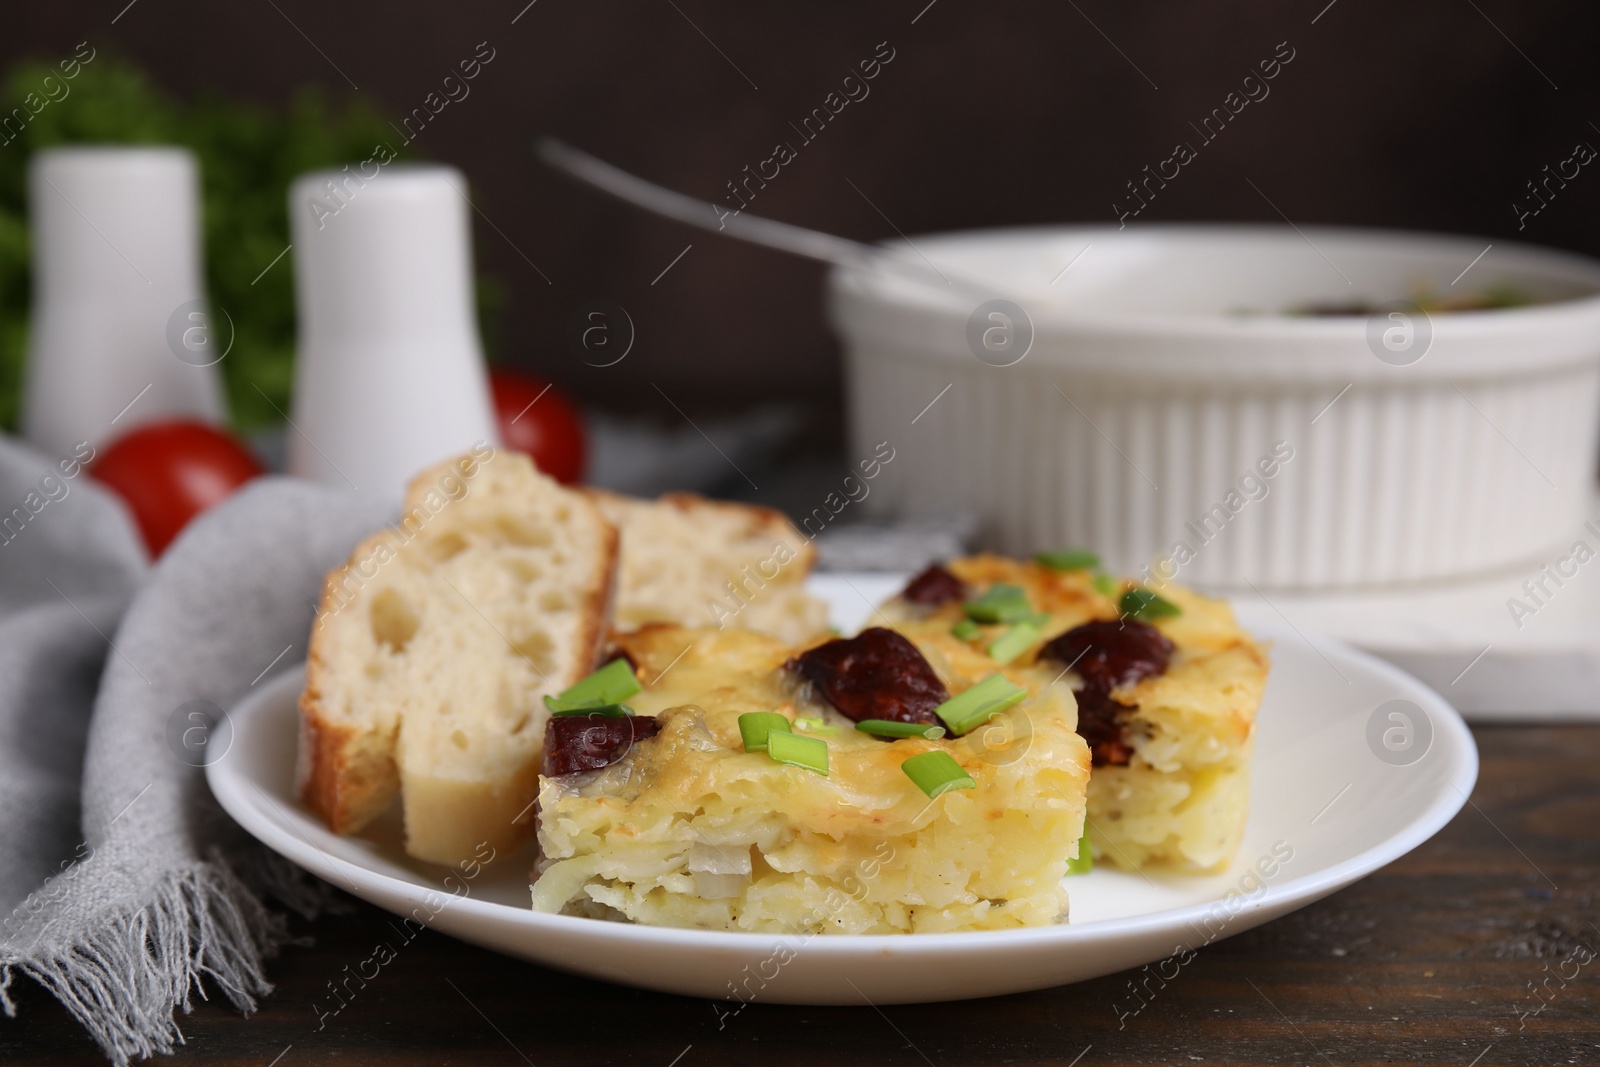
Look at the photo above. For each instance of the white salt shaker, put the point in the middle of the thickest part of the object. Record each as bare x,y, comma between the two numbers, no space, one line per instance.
120,333
390,374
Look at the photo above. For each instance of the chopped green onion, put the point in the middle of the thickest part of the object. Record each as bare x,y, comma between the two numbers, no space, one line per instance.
1104,584
815,724
936,773
797,751
611,684
1073,559
1002,603
756,727
966,630
610,711
1143,604
890,728
1014,642
1084,863
979,704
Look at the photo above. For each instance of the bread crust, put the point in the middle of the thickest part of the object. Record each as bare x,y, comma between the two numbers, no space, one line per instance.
596,621
326,767
757,517
348,772
694,561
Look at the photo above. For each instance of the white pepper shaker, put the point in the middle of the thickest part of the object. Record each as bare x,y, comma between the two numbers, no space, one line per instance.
120,332
390,374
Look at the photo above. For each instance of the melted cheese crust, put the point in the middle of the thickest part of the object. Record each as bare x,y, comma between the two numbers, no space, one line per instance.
1183,799
690,830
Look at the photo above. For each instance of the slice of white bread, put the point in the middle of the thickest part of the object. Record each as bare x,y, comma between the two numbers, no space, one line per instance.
435,646
696,562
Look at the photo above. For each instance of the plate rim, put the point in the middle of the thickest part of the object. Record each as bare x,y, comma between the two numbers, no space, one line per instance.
229,784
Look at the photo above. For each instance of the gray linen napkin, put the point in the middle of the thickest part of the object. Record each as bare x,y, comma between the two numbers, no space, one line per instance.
123,884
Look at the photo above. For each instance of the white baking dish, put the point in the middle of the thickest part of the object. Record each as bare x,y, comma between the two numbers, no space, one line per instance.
1163,383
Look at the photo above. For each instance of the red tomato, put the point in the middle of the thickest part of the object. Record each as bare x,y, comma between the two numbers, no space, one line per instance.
539,419
169,472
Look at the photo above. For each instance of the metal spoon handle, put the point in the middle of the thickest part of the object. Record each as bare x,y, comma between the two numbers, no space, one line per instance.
707,216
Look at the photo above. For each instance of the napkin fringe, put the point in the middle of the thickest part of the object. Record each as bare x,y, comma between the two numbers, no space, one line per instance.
124,980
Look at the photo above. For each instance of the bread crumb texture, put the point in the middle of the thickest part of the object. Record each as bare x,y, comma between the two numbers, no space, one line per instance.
699,562
435,646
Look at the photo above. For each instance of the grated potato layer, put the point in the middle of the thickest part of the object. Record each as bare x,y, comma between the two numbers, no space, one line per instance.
690,830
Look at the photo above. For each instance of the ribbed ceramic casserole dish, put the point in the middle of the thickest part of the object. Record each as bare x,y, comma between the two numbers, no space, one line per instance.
1171,414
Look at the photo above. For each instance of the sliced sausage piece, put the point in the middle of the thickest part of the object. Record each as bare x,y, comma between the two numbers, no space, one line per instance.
574,743
933,587
1100,723
1112,653
1107,655
878,674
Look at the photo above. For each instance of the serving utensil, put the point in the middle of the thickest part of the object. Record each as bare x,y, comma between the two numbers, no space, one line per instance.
743,226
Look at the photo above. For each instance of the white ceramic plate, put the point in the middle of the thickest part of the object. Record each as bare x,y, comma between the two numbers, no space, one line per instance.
1325,810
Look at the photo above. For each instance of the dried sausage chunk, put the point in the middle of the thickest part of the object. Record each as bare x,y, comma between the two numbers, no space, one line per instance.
1109,655
574,743
877,674
933,587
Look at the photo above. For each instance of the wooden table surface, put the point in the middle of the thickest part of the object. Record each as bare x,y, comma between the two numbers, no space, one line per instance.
1431,960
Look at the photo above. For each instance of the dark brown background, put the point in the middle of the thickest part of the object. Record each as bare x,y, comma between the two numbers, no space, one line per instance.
1427,115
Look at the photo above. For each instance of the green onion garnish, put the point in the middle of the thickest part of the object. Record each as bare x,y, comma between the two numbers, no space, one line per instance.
1002,603
1143,604
1014,642
966,630
936,773
610,711
979,704
756,728
815,724
1085,860
611,684
1104,584
797,751
890,728
1073,559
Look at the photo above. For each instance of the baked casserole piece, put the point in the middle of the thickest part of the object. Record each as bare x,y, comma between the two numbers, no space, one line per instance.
1167,687
684,823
